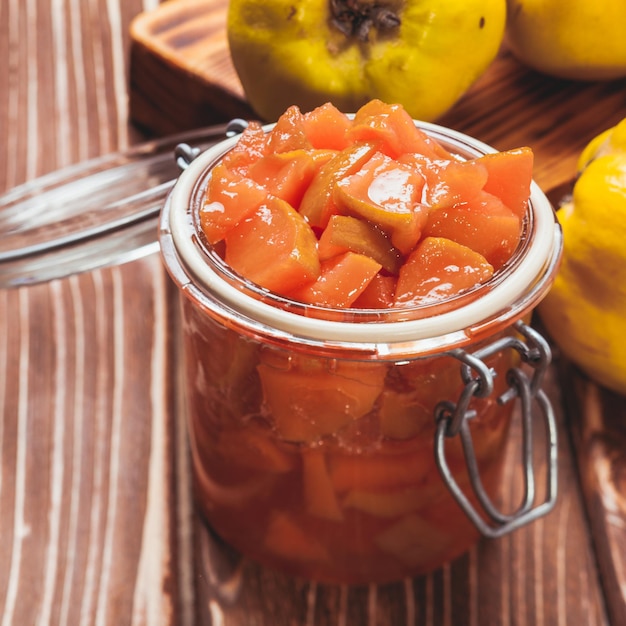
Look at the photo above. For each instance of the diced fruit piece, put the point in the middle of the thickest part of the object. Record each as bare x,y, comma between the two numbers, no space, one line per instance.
254,448
397,466
274,248
439,268
341,281
319,493
345,233
378,294
326,127
286,174
406,237
288,133
309,400
484,224
251,146
230,198
448,181
382,191
234,380
414,390
392,127
388,503
238,494
505,224
318,202
286,539
509,177
402,415
327,250
413,540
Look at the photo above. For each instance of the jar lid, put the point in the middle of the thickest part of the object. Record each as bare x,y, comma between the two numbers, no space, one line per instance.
510,294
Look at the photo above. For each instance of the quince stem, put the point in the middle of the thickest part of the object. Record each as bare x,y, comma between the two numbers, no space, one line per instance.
356,18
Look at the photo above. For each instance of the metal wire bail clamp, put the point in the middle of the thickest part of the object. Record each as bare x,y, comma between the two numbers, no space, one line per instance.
185,154
453,419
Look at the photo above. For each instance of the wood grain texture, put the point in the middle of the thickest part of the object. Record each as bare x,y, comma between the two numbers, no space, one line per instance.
181,74
96,520
598,427
89,528
89,511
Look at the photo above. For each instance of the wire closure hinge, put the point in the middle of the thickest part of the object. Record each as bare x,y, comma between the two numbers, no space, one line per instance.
185,154
453,419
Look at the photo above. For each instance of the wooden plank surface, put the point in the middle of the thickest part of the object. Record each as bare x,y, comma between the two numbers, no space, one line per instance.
96,521
89,516
598,425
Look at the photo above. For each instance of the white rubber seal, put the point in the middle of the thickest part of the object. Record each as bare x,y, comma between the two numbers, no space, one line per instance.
495,300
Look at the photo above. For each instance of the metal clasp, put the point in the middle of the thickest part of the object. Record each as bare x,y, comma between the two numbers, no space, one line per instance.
453,419
185,154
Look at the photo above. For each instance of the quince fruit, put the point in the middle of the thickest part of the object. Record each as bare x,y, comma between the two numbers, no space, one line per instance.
585,310
573,39
422,54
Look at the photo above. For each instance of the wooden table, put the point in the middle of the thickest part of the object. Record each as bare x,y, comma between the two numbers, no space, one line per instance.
96,519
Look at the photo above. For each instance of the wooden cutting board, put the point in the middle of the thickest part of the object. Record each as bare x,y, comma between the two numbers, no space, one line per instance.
181,77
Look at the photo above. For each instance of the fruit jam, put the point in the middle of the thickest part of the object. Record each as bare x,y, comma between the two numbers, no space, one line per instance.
312,429
324,467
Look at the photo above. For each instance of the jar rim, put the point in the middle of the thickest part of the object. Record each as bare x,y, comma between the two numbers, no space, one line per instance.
496,303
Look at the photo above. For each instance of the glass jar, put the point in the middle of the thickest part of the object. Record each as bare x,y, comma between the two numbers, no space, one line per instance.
344,445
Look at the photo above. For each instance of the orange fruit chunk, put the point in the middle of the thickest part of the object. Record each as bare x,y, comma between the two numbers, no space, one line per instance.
231,197
382,191
378,294
318,202
288,133
394,129
414,541
274,247
509,177
388,503
308,400
345,233
448,181
439,268
319,493
251,146
253,448
484,224
396,467
326,127
285,174
341,281
286,539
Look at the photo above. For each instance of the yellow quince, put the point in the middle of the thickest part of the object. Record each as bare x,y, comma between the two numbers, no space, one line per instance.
422,54
575,39
585,311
